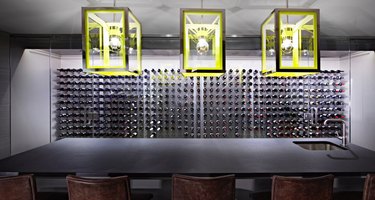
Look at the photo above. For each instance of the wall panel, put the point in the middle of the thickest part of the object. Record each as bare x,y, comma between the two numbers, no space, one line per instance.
30,109
4,96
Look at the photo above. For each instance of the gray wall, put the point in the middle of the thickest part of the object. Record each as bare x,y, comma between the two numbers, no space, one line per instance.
30,94
4,96
363,103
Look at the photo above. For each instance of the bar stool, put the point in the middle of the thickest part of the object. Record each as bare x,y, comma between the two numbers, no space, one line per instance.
369,189
195,188
117,188
288,188
17,188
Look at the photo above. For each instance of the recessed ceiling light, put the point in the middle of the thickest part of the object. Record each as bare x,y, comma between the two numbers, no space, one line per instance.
235,9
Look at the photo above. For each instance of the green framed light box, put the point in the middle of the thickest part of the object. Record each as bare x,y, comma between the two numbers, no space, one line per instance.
111,41
202,37
290,42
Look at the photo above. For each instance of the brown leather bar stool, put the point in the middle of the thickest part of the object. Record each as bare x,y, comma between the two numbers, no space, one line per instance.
17,188
195,188
288,188
117,188
369,189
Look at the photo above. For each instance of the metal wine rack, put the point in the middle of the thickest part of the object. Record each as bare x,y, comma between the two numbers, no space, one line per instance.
164,104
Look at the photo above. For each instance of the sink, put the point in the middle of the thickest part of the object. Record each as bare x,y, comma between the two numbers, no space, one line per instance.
318,145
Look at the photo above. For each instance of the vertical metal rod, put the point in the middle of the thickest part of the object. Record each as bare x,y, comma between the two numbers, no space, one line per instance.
195,93
345,137
349,114
50,92
201,106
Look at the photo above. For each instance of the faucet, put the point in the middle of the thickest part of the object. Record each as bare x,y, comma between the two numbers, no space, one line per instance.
313,115
344,137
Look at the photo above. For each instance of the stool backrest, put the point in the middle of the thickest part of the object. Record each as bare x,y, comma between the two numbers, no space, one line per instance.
369,189
17,188
117,188
288,188
203,188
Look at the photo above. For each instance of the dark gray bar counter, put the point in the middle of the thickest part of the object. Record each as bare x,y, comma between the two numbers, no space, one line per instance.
147,158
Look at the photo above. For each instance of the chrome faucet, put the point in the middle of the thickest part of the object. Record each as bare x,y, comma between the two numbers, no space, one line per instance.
344,136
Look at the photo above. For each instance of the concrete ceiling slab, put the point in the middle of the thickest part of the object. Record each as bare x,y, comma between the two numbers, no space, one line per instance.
161,17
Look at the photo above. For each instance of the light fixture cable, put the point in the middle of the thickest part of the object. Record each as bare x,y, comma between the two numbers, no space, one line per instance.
202,44
287,43
114,38
201,8
287,6
114,5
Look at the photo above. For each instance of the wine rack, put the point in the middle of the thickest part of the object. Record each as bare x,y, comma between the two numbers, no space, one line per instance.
297,107
163,104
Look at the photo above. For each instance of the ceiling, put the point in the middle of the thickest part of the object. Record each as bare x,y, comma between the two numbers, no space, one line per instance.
161,17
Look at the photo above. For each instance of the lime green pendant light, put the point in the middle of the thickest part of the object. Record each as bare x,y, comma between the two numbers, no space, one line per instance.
111,41
290,43
202,42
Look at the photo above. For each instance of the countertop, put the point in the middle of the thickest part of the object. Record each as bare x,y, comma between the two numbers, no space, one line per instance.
164,157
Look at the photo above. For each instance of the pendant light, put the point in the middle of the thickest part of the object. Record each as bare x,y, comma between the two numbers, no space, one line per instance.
290,42
111,41
202,35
